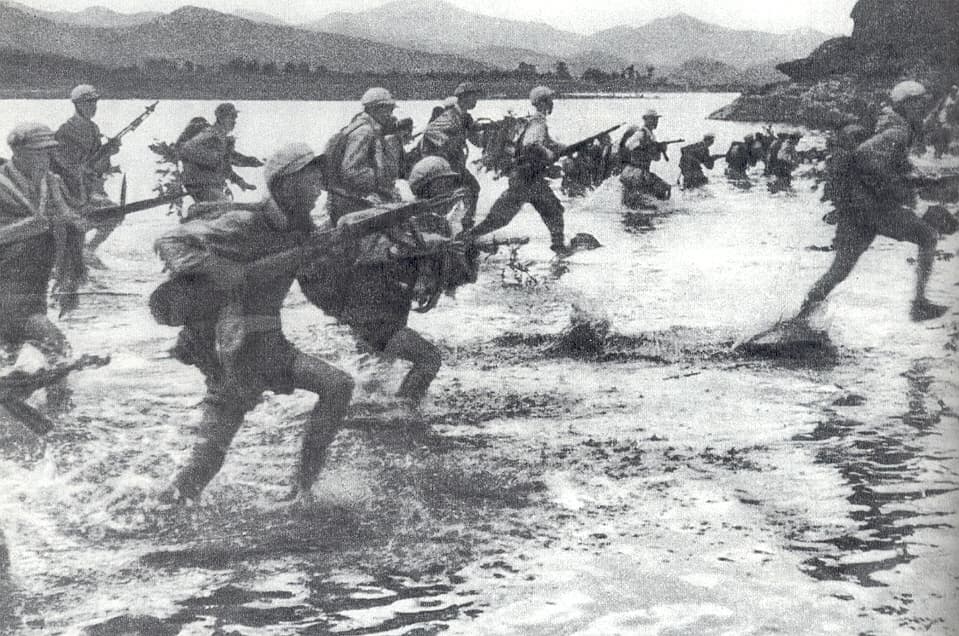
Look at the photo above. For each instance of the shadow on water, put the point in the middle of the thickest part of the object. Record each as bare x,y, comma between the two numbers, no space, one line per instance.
887,467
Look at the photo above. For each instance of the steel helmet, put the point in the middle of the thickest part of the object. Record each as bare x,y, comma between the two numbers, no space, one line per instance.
224,110
426,170
84,93
540,93
904,90
288,160
466,88
651,113
377,95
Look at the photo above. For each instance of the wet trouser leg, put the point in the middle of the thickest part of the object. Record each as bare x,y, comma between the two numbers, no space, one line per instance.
335,389
544,200
902,224
469,182
852,240
222,417
504,209
40,329
406,344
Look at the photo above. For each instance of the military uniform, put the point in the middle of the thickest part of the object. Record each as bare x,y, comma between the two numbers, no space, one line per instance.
528,184
691,161
365,169
873,197
254,355
26,266
739,158
446,136
640,150
208,160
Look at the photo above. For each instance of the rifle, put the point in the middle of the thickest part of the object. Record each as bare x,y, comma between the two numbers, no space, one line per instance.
664,145
188,297
34,226
104,150
17,386
583,143
492,246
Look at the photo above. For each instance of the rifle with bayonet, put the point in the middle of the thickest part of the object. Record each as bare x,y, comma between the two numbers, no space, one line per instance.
34,226
108,147
17,386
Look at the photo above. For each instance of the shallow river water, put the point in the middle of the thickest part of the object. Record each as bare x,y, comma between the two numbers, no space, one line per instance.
663,487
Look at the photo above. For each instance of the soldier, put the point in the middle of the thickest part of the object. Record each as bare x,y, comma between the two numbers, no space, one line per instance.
741,156
447,134
782,160
82,161
359,166
639,149
246,256
692,159
537,152
874,196
209,157
29,194
392,270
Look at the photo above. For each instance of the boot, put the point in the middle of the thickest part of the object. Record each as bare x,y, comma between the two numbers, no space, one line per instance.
924,309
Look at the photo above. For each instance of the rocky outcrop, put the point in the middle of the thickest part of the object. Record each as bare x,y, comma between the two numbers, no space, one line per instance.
845,78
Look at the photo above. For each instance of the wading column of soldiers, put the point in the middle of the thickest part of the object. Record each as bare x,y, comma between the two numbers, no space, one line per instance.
374,257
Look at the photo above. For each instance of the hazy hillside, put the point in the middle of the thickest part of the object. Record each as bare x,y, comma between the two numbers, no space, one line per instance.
209,37
91,16
674,40
434,25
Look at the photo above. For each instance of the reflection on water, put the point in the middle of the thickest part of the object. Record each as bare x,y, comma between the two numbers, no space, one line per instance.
890,467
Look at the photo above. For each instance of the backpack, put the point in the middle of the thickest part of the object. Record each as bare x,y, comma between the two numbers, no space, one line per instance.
332,157
502,145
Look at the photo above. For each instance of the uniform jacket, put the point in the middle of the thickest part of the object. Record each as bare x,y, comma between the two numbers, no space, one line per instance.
365,168
695,155
79,140
26,266
881,163
208,158
643,149
446,136
537,149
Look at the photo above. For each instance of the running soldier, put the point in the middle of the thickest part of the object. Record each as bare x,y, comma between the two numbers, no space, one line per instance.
873,195
692,159
537,153
639,148
359,169
83,162
30,194
209,157
446,136
246,255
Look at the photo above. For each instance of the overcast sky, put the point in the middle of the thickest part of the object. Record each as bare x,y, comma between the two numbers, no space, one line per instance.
830,16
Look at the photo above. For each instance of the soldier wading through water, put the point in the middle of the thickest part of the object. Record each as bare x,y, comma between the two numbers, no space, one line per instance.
873,196
83,162
30,194
536,154
248,257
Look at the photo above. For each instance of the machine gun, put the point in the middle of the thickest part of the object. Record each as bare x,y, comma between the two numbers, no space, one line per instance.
106,148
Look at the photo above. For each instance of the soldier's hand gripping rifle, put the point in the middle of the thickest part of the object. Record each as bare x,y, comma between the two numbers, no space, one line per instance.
108,148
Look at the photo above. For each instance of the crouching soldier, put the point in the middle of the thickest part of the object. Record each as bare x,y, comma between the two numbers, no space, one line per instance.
414,262
247,259
692,159
41,238
873,194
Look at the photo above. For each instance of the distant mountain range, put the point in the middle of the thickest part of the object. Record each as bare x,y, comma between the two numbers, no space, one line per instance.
208,37
402,35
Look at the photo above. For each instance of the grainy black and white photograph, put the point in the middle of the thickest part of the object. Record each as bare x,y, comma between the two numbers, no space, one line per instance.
420,317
